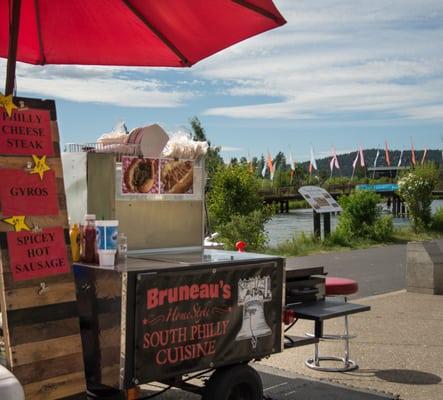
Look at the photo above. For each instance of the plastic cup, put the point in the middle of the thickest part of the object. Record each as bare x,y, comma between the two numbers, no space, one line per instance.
107,234
106,258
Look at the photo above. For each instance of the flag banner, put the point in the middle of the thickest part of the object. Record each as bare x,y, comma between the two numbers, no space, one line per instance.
425,153
376,158
263,171
400,159
388,160
270,166
313,162
291,161
412,153
354,164
362,158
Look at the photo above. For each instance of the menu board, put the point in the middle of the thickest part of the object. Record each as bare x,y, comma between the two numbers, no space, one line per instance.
192,320
25,131
37,254
38,297
22,193
319,199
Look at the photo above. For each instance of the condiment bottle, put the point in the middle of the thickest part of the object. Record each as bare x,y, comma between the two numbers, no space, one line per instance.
122,249
88,240
75,242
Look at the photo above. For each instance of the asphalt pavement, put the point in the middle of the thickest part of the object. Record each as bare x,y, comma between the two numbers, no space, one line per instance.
377,269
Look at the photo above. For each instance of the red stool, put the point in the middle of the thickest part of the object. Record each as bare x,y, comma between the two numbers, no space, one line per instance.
336,287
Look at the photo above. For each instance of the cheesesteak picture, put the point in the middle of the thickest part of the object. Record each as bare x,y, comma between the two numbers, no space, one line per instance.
139,175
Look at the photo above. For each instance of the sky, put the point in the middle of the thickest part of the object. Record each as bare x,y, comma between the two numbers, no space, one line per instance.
339,73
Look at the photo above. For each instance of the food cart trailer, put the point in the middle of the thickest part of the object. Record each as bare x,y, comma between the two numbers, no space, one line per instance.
172,307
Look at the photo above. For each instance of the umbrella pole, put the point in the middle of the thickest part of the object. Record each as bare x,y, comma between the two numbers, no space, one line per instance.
12,49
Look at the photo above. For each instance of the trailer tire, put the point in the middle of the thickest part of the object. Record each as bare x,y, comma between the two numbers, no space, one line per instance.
237,382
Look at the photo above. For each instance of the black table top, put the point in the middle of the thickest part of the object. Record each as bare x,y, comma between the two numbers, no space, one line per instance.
327,309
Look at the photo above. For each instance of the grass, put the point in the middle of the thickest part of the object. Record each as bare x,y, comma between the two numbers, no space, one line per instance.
304,245
298,204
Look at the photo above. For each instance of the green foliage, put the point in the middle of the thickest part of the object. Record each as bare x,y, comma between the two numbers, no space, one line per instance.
298,204
416,187
236,208
248,228
338,181
213,159
437,220
234,190
361,219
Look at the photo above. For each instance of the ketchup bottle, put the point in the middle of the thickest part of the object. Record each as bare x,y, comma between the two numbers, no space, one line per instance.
88,240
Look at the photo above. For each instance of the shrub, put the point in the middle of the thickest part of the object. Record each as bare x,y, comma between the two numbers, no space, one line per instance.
437,220
416,189
234,190
361,219
383,228
236,208
249,228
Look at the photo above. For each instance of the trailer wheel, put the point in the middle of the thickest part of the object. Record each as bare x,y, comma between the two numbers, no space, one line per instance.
237,382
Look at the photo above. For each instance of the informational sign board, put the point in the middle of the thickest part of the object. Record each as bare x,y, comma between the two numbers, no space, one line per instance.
319,199
192,320
41,329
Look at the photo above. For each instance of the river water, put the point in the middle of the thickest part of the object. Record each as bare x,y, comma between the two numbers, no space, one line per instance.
283,226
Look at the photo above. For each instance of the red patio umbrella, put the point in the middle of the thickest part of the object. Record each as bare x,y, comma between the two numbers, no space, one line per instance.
173,33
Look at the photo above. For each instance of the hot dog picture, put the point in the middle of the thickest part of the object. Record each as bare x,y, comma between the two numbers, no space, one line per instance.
176,176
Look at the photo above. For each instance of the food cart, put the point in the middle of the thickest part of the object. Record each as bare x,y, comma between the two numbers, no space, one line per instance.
172,308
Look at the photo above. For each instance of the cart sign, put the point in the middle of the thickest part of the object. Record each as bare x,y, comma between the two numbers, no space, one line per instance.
24,194
319,199
26,132
192,320
37,254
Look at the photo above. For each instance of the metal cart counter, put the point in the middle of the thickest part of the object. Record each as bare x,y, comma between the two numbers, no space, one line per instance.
167,314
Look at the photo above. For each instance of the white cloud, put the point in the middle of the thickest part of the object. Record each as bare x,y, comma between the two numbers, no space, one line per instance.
346,61
108,85
335,59
230,149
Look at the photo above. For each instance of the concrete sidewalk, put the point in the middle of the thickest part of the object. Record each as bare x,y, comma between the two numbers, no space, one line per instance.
399,347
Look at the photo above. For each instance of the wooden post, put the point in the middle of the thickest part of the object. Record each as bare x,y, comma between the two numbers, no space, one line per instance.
317,225
327,224
12,48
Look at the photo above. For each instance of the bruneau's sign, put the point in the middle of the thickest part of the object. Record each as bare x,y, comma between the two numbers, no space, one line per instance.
27,131
191,320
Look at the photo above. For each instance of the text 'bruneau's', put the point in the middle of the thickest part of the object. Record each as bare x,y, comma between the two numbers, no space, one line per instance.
203,291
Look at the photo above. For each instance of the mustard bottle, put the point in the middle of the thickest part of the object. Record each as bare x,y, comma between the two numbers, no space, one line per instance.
74,235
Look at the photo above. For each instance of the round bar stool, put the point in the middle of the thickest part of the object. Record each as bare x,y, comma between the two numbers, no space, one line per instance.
336,287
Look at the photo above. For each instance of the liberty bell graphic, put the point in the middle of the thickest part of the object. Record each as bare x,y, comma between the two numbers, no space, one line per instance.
253,293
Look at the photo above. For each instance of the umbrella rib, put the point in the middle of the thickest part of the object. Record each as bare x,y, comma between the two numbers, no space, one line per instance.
39,33
259,10
185,62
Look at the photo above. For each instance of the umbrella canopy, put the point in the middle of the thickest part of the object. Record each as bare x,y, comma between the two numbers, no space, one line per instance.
174,33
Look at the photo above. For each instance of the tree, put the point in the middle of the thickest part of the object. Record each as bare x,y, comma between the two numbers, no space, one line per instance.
280,161
416,188
236,208
213,159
